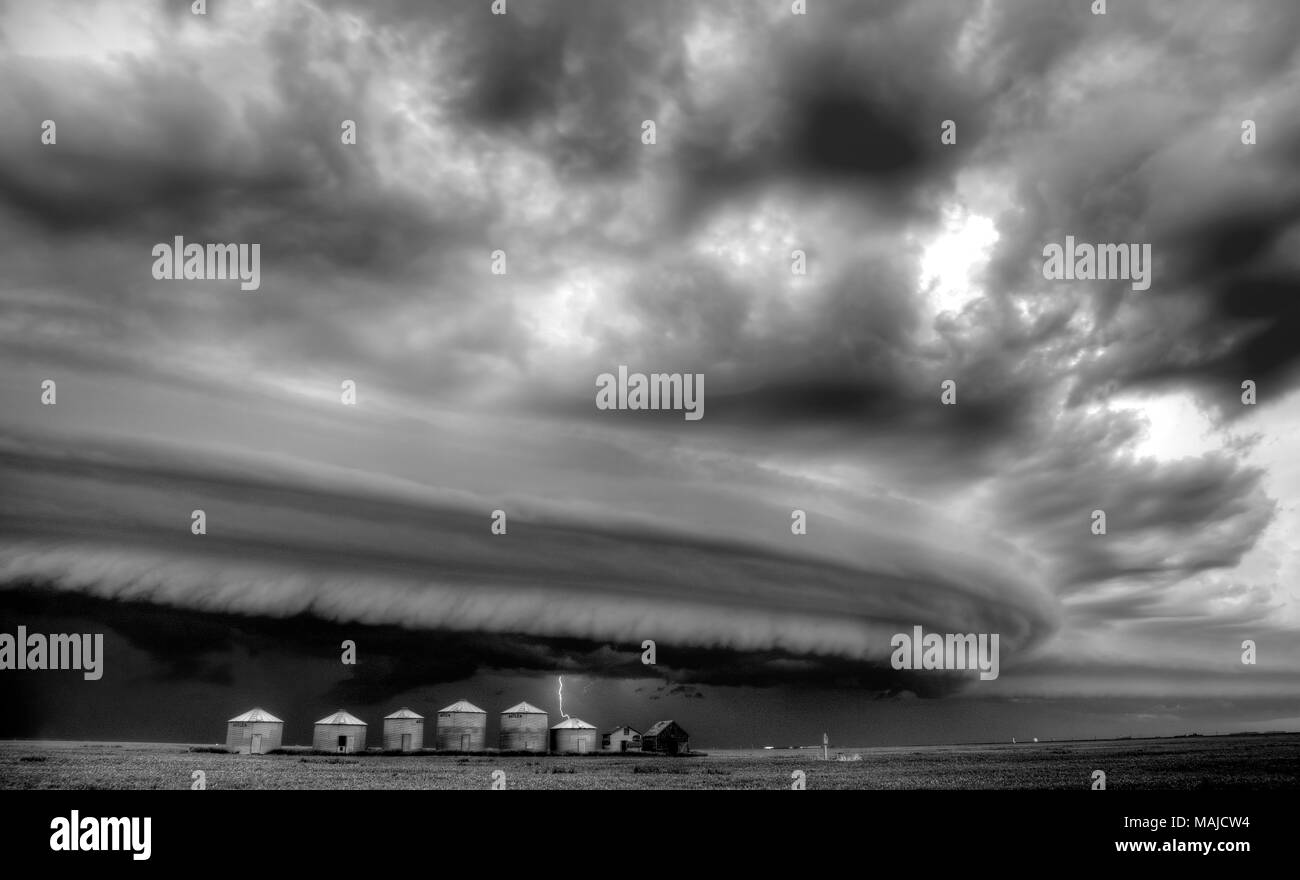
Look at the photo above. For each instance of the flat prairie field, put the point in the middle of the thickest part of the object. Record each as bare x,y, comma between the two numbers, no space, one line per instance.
1263,761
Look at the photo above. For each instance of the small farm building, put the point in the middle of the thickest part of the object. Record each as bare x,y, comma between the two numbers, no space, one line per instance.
667,737
621,739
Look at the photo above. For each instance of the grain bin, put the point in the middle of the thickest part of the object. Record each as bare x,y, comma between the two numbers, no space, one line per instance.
403,731
574,735
462,727
340,732
524,728
256,732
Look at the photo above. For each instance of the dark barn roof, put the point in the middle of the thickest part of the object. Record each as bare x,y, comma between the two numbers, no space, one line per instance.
663,726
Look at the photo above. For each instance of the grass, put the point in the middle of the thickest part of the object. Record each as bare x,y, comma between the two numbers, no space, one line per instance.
1219,763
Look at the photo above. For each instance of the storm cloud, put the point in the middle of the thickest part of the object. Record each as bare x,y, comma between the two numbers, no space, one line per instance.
776,133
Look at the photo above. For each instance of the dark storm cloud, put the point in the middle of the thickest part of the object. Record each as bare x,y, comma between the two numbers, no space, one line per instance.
859,365
826,107
554,81
158,148
1163,163
280,547
570,80
1150,506
522,132
573,80
1245,267
190,645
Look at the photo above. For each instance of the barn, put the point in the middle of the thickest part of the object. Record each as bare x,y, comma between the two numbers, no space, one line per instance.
403,731
340,732
524,728
573,735
666,737
621,739
256,732
462,727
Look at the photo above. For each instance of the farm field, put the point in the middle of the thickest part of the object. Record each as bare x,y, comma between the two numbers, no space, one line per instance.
1226,762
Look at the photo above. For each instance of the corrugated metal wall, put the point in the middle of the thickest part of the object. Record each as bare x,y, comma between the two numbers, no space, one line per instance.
239,735
571,739
394,728
524,731
462,731
326,737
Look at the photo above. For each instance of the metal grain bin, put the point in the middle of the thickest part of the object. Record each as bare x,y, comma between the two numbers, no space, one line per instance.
573,735
525,728
340,732
255,732
403,731
462,727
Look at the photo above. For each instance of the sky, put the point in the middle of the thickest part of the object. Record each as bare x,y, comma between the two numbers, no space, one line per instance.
523,134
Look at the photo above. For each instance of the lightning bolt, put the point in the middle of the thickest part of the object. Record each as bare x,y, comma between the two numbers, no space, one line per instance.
562,696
